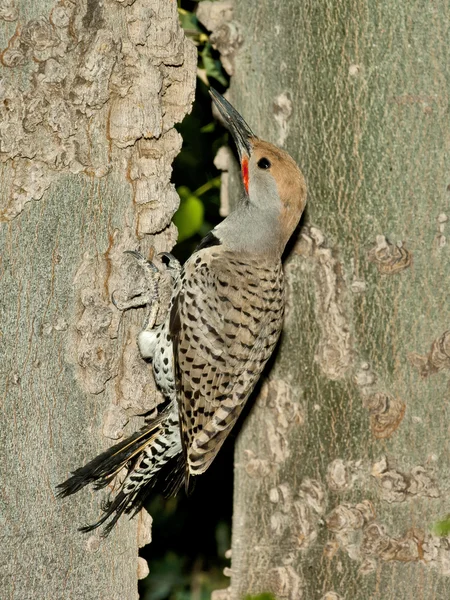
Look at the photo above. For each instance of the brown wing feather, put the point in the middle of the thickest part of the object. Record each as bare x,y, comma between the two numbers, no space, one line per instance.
226,321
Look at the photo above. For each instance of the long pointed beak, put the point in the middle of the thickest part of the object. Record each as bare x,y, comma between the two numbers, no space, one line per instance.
241,132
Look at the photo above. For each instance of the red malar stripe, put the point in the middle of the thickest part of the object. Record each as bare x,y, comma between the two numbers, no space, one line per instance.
245,173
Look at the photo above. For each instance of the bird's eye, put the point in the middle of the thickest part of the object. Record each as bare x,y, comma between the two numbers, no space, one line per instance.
264,163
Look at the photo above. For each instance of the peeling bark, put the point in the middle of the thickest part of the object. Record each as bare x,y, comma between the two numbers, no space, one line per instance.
89,96
342,466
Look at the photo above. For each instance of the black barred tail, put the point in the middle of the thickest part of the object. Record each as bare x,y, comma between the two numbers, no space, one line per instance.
153,460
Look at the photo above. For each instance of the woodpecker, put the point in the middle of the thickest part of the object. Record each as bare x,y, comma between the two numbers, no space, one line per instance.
224,321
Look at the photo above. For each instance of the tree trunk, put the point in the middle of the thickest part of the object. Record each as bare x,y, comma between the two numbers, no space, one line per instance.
342,467
89,95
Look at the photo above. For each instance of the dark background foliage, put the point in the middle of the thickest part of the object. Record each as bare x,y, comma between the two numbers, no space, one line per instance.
191,534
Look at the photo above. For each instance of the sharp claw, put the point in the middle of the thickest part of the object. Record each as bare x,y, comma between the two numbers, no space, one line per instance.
141,258
113,300
134,253
132,302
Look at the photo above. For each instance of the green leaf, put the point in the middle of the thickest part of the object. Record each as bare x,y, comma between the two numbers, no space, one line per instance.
264,596
213,67
189,217
208,128
189,21
211,184
441,528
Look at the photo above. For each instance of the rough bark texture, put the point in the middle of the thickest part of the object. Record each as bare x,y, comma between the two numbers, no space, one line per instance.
343,466
89,95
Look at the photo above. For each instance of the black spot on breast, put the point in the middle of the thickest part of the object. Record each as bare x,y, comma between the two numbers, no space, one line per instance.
218,357
248,346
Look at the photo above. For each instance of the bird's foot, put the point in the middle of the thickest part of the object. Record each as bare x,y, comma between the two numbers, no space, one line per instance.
147,293
143,295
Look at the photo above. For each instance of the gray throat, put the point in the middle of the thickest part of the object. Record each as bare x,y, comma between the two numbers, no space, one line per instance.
251,229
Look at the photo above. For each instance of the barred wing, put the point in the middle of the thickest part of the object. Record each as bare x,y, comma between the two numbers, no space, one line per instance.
225,324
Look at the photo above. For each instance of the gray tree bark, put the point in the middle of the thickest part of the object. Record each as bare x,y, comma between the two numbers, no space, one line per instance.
342,469
89,95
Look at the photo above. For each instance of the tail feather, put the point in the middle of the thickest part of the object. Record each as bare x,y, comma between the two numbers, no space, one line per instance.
168,481
164,475
114,508
104,467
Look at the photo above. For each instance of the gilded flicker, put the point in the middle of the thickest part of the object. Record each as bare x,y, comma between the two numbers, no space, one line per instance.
225,318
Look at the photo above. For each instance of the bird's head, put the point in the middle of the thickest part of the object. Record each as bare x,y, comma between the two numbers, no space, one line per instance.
272,181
